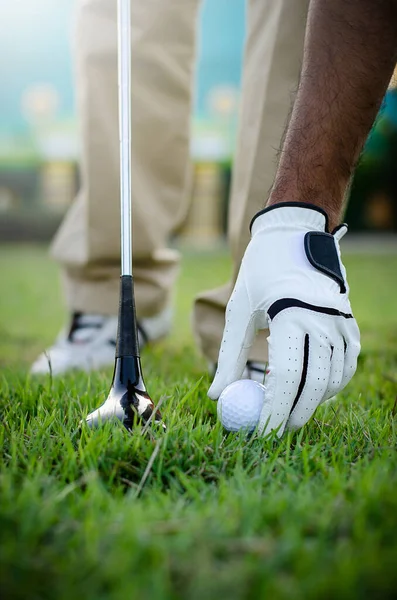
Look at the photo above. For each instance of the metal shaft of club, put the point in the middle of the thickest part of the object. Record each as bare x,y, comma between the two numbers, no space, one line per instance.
124,75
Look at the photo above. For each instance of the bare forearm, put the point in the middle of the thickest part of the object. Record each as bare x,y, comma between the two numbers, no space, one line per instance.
350,53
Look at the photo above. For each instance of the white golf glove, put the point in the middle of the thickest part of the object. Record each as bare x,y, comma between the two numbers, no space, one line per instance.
291,281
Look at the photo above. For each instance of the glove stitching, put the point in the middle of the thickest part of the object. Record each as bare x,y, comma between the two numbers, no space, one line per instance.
245,285
318,315
305,368
284,304
320,401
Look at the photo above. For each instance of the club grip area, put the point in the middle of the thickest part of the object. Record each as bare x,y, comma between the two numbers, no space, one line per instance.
127,333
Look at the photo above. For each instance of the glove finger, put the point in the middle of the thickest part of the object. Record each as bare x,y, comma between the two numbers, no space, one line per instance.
351,341
336,371
237,339
318,360
286,370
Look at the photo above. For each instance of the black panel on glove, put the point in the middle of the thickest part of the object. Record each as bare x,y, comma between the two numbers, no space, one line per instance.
322,254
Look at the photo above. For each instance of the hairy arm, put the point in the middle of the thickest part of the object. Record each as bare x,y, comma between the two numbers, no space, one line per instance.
349,57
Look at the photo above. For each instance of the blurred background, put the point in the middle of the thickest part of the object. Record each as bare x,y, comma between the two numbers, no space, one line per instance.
39,145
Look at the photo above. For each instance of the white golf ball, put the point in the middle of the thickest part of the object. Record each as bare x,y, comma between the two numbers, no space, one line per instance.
240,405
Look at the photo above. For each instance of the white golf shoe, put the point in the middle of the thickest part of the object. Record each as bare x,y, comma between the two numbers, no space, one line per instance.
90,341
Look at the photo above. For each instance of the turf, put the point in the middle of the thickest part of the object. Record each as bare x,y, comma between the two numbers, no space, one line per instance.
194,513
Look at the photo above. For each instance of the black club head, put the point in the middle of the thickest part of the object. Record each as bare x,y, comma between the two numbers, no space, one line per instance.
128,400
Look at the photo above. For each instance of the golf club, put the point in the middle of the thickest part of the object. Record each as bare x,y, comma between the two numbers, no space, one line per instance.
128,399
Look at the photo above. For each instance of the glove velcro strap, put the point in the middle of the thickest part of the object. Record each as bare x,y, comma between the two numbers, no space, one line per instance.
322,254
285,303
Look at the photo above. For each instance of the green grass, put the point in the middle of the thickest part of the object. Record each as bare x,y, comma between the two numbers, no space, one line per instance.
311,516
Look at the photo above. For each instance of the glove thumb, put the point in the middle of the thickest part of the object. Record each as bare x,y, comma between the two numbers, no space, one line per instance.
238,336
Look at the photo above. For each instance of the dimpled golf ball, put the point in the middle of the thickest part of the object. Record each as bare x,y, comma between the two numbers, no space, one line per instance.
240,405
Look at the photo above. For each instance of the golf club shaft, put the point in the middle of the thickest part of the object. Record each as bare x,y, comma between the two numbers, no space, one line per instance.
128,400
127,336
124,74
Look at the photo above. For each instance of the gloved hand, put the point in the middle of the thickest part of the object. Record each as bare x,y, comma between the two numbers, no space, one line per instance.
292,281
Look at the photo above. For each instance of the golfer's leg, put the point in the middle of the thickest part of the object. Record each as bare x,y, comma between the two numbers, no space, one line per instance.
88,242
273,56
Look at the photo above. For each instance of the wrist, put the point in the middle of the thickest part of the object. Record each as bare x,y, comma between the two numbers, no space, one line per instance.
332,211
287,215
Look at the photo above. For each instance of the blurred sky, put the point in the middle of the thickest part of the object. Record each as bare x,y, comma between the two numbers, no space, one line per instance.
35,49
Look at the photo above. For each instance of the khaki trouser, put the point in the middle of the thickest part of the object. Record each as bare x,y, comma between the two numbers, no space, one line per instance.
163,56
